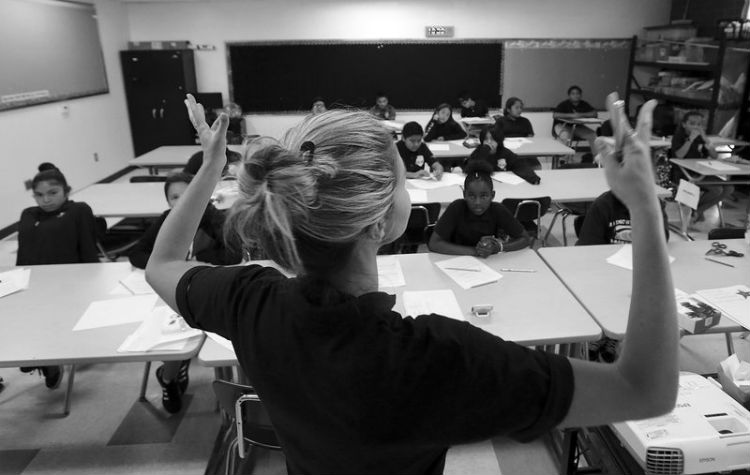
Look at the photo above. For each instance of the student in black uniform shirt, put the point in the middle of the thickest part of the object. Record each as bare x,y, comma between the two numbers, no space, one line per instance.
690,141
514,124
476,225
416,155
56,231
493,151
574,107
471,107
173,375
442,126
607,221
382,109
351,385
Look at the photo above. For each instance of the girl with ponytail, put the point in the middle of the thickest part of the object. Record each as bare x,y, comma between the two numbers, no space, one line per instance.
351,385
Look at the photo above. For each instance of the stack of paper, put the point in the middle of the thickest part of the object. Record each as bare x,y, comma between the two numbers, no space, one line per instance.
162,330
425,302
624,257
508,178
108,313
14,280
389,272
734,302
468,271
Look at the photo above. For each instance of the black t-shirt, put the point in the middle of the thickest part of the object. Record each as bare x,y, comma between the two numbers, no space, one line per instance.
353,387
697,148
479,109
516,127
412,160
460,226
567,107
449,130
64,236
608,222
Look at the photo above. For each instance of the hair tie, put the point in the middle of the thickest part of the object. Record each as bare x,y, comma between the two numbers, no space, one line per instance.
307,148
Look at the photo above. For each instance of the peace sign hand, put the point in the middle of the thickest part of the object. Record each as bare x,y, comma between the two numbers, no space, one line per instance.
214,138
627,164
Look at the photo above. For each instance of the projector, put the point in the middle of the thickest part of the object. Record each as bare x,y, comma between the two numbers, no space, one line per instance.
707,431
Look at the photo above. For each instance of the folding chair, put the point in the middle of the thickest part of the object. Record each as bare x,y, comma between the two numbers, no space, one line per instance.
245,422
422,215
726,233
568,209
529,212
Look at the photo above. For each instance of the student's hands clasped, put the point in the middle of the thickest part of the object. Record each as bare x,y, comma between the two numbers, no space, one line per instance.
214,138
627,164
487,246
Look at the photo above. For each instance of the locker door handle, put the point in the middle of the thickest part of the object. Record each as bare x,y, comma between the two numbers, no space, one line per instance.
161,113
153,112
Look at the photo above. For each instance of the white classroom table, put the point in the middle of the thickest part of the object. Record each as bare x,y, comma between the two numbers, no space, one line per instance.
604,289
700,174
170,156
561,185
38,322
529,308
127,200
532,147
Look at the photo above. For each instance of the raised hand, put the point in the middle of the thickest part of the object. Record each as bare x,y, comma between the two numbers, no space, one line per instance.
214,138
627,164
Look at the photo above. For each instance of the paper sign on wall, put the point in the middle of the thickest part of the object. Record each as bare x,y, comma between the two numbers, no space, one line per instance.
688,194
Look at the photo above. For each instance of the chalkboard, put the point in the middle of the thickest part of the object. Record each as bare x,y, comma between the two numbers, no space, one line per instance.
50,52
540,71
415,75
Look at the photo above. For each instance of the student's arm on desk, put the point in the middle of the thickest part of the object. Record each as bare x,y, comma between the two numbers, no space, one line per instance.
167,263
443,246
643,381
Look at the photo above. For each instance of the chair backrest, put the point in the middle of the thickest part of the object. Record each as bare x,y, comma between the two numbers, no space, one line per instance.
147,178
529,211
428,230
242,404
726,233
433,211
418,218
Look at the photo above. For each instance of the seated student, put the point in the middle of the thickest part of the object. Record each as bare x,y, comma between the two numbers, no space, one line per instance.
690,141
514,124
318,105
607,221
493,151
351,385
382,109
417,157
236,130
173,375
472,108
234,162
56,231
442,126
574,108
475,225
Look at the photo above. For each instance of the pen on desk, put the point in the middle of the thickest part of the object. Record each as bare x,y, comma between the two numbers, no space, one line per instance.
461,268
718,262
505,269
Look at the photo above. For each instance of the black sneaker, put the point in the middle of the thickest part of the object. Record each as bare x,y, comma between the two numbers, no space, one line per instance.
608,351
170,393
52,376
594,349
27,369
183,377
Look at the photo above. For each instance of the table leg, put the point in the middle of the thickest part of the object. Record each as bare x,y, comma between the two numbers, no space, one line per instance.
69,390
144,381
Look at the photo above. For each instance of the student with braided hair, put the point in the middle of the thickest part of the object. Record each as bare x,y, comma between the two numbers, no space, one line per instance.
351,385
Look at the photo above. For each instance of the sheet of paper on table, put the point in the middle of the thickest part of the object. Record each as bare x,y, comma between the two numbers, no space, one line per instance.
733,301
13,281
162,330
624,257
509,178
717,165
438,147
513,143
136,284
390,273
224,342
425,302
468,271
108,313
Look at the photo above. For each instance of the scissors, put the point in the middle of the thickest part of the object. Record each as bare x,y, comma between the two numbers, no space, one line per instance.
718,248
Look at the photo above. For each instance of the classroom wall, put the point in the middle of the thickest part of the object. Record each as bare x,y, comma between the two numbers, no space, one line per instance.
97,124
215,22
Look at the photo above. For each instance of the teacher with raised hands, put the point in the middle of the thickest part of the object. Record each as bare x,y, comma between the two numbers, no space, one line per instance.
352,386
